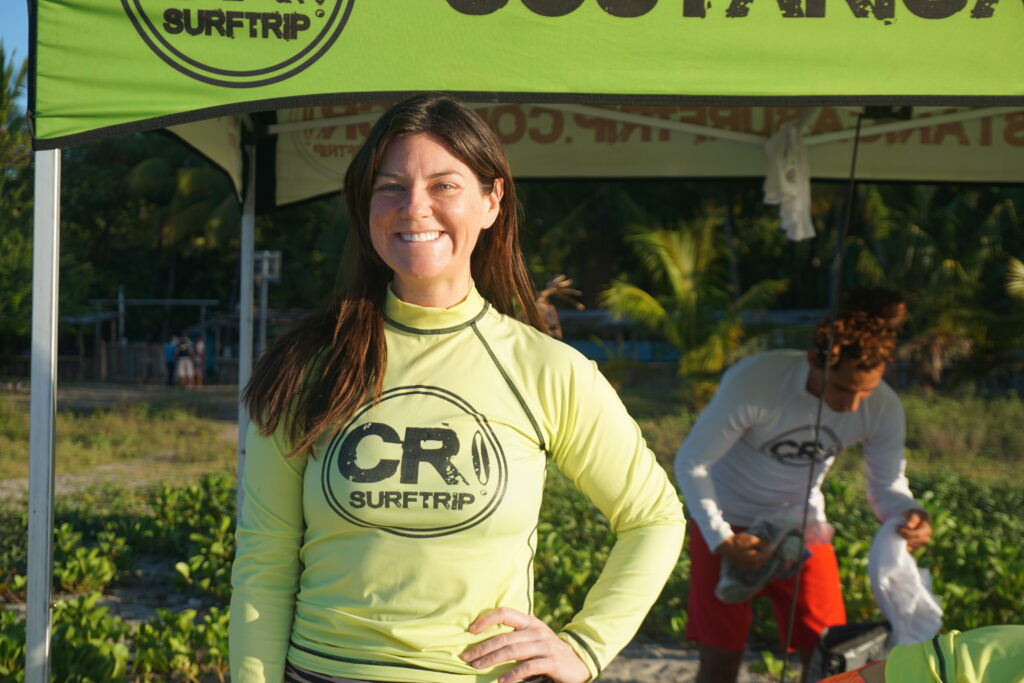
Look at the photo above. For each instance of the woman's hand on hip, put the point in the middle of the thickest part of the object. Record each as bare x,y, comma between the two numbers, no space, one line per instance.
533,644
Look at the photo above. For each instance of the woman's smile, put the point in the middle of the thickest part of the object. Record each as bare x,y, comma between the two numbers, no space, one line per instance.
419,236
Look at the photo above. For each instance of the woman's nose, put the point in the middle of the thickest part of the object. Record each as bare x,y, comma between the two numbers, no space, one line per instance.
417,202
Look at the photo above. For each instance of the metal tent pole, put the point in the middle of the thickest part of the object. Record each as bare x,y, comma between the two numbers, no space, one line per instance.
245,301
43,410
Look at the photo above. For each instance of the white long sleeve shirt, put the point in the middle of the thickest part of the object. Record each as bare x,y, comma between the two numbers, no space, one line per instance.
748,452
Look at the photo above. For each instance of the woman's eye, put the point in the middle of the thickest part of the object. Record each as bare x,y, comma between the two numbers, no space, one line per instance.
389,187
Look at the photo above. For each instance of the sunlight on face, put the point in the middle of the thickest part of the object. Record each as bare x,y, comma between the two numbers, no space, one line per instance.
847,384
426,214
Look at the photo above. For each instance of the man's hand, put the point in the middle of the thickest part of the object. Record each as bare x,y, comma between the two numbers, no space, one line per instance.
917,529
744,550
533,644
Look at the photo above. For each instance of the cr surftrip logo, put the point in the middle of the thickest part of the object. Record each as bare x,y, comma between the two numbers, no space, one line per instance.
799,448
239,43
421,463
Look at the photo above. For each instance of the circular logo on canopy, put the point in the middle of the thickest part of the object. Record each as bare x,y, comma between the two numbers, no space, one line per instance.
423,463
239,43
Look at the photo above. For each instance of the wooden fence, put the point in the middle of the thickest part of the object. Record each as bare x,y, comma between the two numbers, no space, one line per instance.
132,363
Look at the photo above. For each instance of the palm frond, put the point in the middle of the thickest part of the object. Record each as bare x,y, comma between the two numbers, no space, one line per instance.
717,350
625,299
869,270
1015,279
760,295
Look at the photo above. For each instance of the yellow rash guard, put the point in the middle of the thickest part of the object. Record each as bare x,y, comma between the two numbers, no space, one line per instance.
992,654
370,557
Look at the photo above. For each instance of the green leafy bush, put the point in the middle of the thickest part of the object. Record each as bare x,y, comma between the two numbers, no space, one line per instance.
87,643
178,647
209,570
976,559
12,647
165,647
80,569
84,570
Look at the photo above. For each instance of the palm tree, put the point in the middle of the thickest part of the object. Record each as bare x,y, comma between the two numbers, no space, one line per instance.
15,207
574,228
941,251
14,141
690,309
199,209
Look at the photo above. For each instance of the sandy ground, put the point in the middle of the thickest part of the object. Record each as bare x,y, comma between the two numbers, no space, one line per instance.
644,661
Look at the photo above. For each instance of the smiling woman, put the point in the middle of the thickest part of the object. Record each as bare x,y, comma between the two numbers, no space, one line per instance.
427,211
395,472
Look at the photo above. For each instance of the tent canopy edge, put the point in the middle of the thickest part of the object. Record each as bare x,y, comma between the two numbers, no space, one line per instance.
155,123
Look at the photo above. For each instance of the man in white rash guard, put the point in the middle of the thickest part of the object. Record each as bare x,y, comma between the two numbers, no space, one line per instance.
748,455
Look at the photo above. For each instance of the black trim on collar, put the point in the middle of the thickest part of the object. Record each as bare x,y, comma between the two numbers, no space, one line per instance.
442,330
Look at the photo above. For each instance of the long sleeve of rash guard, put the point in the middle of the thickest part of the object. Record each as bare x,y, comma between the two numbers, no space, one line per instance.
265,575
600,448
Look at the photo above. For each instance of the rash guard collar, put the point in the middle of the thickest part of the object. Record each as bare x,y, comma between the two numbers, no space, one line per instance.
425,320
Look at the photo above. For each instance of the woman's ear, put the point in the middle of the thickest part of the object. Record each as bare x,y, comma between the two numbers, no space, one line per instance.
494,202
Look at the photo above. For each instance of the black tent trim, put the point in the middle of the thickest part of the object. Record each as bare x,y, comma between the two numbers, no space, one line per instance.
523,97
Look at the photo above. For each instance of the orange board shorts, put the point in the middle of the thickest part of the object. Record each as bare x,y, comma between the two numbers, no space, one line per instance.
718,624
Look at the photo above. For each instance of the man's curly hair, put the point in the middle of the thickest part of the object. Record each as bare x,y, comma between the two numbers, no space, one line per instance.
879,302
862,339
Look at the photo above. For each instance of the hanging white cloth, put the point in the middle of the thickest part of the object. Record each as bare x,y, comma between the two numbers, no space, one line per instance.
902,589
788,182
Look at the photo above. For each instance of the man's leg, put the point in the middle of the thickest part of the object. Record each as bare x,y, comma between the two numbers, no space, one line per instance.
819,605
805,659
721,629
718,665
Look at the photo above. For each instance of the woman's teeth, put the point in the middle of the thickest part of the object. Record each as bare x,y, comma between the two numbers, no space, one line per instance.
419,236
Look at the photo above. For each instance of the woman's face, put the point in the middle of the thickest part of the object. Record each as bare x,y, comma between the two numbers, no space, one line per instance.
426,212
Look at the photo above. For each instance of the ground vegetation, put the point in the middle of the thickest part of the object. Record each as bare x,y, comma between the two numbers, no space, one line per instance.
142,565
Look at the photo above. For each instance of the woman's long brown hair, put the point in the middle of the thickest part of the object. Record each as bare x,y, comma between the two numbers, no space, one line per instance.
315,376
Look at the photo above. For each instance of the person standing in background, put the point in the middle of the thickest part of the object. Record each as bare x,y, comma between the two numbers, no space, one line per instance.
170,358
185,368
199,360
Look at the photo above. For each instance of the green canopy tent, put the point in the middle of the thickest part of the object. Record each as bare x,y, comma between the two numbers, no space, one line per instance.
575,87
